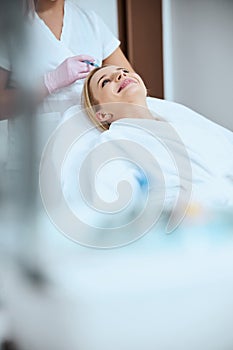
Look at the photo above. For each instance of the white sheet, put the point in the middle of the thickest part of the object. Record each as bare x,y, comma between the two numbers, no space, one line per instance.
209,151
209,147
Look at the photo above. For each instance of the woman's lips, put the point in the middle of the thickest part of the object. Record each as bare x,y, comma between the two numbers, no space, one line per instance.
125,83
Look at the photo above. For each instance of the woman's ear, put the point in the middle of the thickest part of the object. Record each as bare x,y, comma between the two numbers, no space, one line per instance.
104,117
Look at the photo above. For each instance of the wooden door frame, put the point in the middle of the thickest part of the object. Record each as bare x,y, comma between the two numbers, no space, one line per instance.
141,36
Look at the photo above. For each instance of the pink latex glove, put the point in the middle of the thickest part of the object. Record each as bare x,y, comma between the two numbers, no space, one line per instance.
68,72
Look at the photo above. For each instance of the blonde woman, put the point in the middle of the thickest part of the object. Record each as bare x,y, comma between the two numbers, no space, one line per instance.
114,84
116,102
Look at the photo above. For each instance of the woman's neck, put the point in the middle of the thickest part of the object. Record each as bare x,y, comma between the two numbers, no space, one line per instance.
52,13
141,110
138,109
46,6
132,110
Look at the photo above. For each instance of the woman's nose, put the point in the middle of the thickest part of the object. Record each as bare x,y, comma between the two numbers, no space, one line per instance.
119,75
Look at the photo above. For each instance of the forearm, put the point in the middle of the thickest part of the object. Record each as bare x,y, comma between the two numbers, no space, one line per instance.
8,103
11,100
69,71
117,58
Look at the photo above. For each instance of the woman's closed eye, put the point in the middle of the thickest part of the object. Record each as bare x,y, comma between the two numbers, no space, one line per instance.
104,82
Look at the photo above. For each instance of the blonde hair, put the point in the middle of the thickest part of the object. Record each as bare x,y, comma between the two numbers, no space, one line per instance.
90,104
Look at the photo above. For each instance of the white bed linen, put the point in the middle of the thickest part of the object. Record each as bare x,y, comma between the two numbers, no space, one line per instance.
209,147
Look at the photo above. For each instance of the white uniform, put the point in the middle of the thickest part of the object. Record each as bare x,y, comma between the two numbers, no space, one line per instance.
82,33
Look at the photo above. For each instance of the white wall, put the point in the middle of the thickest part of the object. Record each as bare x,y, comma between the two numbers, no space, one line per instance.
107,9
198,56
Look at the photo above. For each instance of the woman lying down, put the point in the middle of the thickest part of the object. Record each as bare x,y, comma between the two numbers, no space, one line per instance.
171,155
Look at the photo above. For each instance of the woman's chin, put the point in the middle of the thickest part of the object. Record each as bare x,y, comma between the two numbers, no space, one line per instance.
133,91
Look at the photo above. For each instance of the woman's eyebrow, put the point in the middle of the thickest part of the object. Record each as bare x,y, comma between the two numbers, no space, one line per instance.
105,75
101,78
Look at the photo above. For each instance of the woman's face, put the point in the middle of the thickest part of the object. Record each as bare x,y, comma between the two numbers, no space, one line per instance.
115,84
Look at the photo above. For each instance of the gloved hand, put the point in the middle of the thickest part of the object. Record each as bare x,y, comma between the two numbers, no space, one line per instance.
68,72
